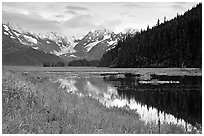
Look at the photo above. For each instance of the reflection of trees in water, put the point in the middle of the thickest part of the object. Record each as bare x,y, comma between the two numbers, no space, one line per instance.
183,100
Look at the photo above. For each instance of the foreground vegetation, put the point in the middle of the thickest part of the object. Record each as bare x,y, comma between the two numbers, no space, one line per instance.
33,104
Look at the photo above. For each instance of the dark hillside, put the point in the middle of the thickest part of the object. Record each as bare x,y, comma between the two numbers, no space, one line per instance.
14,53
174,43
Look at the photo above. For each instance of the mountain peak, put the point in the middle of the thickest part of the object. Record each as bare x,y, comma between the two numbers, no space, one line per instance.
98,32
16,27
6,27
90,46
130,30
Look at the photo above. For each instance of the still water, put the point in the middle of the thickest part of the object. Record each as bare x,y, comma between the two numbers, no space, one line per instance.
157,99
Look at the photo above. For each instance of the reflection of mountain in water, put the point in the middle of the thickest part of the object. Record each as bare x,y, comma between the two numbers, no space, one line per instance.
177,102
183,100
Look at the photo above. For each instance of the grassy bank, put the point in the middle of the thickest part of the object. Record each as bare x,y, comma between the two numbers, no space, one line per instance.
157,71
32,104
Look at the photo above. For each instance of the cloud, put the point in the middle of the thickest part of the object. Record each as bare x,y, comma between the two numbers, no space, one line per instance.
124,13
80,21
78,17
133,5
110,24
180,3
59,16
142,5
71,12
32,20
178,7
76,8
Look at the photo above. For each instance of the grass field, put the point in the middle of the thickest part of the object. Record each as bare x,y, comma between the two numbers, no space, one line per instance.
33,104
159,71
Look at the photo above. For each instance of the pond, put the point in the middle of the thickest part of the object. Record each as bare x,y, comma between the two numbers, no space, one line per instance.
157,99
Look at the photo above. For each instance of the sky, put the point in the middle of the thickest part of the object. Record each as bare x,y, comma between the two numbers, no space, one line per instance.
78,18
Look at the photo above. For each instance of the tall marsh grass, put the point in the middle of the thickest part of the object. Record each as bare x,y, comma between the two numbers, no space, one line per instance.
32,104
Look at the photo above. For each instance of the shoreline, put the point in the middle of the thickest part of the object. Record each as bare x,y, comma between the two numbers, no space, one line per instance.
99,70
57,111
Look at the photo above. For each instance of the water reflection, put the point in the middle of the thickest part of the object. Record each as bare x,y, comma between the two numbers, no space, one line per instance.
68,84
157,99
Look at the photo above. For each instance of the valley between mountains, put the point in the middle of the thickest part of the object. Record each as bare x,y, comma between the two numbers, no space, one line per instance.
29,48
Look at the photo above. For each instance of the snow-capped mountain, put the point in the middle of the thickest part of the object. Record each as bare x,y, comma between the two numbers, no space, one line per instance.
93,38
91,46
50,43
95,43
18,49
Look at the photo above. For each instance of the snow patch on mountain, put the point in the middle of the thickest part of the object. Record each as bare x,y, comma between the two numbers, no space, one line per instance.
9,32
91,45
6,28
35,48
64,50
110,48
112,42
72,41
12,37
73,56
30,39
20,40
6,33
17,34
106,37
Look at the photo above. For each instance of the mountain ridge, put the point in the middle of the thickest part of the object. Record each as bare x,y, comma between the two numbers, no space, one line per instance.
15,53
91,46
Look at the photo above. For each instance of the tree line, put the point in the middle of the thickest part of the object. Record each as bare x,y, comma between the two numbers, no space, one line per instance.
84,62
78,63
174,43
54,64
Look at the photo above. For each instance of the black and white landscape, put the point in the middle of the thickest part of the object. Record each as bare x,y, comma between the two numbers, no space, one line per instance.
90,47
103,67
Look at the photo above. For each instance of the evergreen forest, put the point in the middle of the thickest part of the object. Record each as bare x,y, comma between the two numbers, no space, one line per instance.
173,43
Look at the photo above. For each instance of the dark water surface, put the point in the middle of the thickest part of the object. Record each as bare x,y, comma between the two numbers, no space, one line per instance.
157,99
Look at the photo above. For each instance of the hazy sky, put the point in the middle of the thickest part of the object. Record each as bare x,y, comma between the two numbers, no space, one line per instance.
77,18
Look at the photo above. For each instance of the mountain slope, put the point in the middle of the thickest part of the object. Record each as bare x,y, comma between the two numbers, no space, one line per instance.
175,43
92,46
15,53
96,43
52,42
